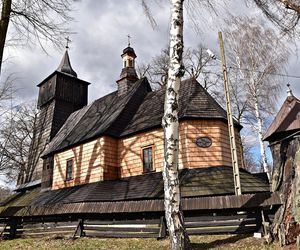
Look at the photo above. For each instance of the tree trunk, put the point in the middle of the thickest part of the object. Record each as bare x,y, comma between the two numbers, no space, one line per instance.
263,156
286,180
174,216
4,21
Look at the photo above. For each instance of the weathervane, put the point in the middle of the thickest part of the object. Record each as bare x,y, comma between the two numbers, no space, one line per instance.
68,41
128,36
289,90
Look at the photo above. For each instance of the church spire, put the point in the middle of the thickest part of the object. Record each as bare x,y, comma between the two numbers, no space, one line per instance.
65,65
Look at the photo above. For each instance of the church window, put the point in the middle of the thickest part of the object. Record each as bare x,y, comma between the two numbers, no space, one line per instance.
69,172
147,159
130,62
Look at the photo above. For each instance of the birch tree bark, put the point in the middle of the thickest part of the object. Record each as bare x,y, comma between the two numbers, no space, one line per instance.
263,156
174,216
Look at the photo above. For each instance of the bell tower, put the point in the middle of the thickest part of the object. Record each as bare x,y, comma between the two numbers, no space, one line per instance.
60,94
128,74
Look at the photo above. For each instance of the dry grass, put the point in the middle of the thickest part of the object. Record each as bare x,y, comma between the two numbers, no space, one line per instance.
198,242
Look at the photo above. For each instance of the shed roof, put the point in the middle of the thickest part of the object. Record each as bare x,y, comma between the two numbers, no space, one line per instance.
287,119
138,110
141,193
210,181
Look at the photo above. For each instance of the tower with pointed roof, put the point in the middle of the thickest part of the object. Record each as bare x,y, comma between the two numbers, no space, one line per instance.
128,74
60,94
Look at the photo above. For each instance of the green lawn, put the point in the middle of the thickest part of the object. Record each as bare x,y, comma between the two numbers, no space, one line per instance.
198,242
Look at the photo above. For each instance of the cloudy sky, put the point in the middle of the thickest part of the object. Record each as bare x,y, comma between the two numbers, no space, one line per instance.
101,29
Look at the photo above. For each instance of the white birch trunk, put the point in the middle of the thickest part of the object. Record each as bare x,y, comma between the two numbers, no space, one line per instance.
263,156
174,215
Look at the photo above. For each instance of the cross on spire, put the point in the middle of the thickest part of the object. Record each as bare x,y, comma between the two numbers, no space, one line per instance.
289,90
68,41
128,36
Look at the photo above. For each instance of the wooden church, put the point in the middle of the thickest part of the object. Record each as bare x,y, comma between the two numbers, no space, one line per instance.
102,161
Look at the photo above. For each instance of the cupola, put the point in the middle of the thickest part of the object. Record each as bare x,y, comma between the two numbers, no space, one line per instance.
128,74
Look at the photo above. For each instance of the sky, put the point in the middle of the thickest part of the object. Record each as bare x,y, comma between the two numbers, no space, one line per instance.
101,29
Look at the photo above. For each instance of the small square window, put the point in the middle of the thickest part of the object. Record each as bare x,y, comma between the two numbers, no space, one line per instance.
69,172
147,159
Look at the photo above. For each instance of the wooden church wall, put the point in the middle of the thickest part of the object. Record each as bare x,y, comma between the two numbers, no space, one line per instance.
217,154
191,156
93,161
106,158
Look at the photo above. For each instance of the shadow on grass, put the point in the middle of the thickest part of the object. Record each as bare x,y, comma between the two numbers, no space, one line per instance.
218,243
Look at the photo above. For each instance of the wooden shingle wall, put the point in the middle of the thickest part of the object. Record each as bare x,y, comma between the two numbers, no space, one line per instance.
106,158
191,156
93,161
218,154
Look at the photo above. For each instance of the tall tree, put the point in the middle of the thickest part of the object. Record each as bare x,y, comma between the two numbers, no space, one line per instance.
257,56
174,216
170,123
34,21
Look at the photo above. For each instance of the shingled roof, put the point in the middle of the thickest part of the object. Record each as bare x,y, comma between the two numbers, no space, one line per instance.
97,118
140,109
286,120
200,182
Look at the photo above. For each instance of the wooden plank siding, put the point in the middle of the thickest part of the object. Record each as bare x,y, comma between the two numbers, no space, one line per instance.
93,161
190,156
106,158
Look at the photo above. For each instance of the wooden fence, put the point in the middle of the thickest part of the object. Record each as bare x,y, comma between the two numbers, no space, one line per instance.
233,223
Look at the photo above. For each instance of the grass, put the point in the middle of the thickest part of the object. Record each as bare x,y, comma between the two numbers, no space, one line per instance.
197,242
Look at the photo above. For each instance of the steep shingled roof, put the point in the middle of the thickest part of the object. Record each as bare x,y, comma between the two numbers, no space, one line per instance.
136,111
194,102
287,119
97,118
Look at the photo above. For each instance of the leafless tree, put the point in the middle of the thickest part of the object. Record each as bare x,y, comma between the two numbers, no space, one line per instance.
250,163
7,90
256,56
196,63
157,70
16,135
283,13
195,60
34,21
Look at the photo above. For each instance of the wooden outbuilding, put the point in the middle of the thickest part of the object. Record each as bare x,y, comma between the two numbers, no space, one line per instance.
283,136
